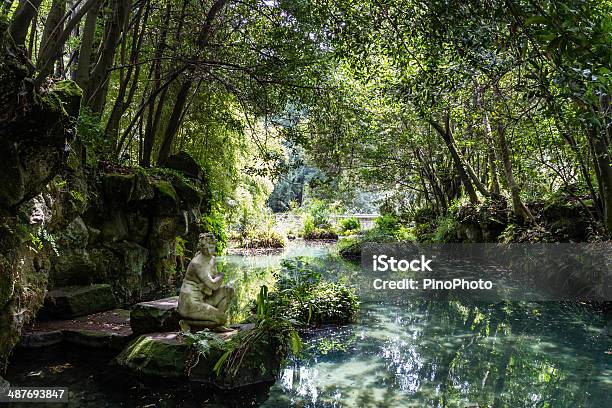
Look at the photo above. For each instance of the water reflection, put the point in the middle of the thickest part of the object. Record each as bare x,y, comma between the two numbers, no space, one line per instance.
414,352
446,354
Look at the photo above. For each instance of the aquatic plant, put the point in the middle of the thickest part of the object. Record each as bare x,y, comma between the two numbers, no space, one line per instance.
272,334
307,299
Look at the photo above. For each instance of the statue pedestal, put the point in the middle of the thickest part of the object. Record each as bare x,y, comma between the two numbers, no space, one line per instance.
194,326
166,355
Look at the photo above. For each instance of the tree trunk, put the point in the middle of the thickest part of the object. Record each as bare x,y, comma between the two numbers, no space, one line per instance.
174,122
519,209
494,184
97,88
603,153
20,23
124,98
53,27
51,51
447,136
85,51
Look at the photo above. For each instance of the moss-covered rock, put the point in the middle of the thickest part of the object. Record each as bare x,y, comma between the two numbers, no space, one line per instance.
143,188
95,339
69,95
184,163
260,363
189,193
117,187
166,201
72,301
158,354
167,355
25,261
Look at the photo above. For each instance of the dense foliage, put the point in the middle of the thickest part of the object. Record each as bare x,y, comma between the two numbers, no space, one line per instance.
303,296
432,101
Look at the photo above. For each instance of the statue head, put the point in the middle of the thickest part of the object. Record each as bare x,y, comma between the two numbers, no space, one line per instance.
207,244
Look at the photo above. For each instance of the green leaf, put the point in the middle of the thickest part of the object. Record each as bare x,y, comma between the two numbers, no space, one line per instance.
219,364
535,20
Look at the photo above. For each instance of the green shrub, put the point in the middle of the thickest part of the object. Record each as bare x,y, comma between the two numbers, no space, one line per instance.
304,297
269,239
272,333
309,227
320,212
388,223
215,224
349,226
258,230
446,230
310,230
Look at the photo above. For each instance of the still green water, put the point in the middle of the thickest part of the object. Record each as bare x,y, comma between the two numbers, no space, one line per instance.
402,352
411,352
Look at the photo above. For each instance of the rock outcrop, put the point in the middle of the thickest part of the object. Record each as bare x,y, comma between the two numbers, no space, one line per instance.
36,130
167,355
127,236
64,222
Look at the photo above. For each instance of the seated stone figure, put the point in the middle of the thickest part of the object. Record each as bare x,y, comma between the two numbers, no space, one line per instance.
203,302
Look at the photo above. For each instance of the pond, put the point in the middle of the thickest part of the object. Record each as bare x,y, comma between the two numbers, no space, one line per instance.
399,353
415,352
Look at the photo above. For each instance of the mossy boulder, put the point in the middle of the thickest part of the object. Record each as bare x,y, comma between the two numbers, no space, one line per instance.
114,227
69,94
72,301
95,339
189,193
118,187
75,235
166,201
142,188
73,267
184,163
158,355
259,364
138,224
167,355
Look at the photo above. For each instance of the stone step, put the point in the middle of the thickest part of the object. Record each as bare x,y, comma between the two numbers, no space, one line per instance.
159,315
72,301
110,329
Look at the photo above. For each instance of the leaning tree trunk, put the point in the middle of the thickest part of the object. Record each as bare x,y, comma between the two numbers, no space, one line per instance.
174,122
85,51
447,136
53,27
21,20
519,209
94,96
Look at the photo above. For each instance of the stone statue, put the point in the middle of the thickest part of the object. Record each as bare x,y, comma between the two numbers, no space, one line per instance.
203,302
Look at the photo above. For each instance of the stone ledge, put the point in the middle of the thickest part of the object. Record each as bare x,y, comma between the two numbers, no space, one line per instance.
101,330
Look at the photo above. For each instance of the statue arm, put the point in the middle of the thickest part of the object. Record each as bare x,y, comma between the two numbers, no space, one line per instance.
203,272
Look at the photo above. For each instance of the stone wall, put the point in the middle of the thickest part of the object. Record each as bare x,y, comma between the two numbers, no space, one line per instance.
105,225
36,129
128,234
